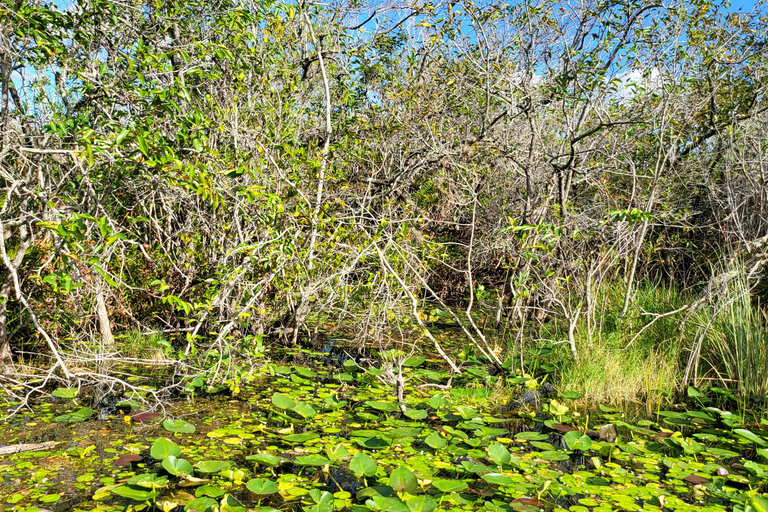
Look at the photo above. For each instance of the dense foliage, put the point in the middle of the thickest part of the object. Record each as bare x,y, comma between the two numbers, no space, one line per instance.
227,174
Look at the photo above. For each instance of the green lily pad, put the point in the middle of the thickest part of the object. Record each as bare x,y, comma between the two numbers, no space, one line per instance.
261,486
421,504
204,504
403,479
283,401
163,447
265,459
176,466
67,393
362,465
312,460
300,438
179,426
449,486
210,467
135,493
78,416
746,434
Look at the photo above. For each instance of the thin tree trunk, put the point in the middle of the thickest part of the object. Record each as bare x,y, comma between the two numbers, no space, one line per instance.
105,327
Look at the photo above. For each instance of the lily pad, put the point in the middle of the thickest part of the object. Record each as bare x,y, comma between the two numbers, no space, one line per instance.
163,447
210,467
363,465
179,426
283,401
176,466
261,486
78,416
403,479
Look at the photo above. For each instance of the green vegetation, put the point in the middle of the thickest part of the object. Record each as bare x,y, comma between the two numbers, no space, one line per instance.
556,206
289,443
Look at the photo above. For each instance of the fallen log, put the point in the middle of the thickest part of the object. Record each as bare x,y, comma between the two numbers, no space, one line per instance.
17,448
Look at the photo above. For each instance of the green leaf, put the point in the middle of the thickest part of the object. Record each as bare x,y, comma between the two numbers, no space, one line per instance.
436,441
382,406
163,447
50,498
65,392
261,487
283,401
746,434
312,460
177,467
576,441
362,465
300,438
135,493
78,416
265,459
210,467
416,414
402,479
305,410
204,504
387,504
421,504
497,479
179,426
142,144
499,454
414,361
210,490
448,486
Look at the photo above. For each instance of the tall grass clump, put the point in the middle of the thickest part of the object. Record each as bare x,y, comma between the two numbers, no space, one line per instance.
624,361
730,346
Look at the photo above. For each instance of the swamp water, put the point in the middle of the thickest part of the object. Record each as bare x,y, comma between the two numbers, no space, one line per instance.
318,434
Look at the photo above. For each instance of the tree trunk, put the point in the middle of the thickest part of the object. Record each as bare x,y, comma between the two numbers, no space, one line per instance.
105,327
5,290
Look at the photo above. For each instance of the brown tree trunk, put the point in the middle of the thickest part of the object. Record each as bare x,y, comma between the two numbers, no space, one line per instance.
7,286
105,327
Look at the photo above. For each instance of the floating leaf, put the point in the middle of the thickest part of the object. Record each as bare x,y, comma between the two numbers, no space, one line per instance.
163,447
135,493
448,486
312,460
261,487
283,401
203,504
416,414
499,454
210,467
179,426
436,441
362,465
387,504
421,504
78,416
305,410
746,434
576,441
402,479
67,393
373,443
176,466
382,406
265,459
497,479
300,438
210,491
